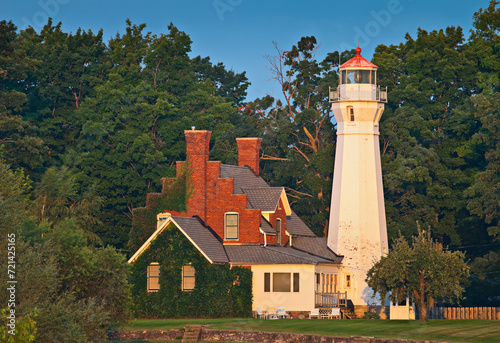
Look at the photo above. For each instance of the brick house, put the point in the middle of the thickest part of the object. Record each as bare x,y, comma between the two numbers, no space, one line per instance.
233,217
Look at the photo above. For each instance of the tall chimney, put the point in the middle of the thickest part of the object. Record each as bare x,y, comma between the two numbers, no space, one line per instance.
197,150
248,152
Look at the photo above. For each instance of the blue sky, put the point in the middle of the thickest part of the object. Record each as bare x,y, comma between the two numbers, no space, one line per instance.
240,33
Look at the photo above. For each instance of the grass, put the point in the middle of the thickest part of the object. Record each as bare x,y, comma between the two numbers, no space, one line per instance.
477,331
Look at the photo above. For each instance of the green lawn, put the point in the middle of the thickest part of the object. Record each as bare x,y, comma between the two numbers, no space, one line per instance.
477,331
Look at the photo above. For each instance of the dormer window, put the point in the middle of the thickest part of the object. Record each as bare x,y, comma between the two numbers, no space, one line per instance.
231,226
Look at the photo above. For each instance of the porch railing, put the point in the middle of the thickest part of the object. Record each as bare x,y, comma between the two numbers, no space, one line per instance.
336,299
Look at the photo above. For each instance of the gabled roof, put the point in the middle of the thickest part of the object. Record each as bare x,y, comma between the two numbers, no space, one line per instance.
243,177
199,235
266,199
263,198
316,246
358,61
206,241
306,250
296,227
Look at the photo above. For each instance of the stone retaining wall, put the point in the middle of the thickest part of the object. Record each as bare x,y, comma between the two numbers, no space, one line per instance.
250,336
130,335
283,337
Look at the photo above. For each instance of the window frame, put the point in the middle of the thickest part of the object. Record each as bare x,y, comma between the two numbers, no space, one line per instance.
187,277
150,277
348,280
295,282
267,282
282,282
278,231
237,226
272,282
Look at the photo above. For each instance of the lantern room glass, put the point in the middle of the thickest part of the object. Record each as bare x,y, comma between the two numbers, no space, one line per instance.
357,76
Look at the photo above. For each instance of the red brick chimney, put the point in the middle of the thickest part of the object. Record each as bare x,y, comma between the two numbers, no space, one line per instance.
197,149
248,152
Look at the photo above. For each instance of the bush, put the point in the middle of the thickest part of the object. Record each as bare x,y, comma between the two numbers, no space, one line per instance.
371,315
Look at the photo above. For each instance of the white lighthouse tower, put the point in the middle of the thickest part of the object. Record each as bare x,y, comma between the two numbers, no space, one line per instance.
357,227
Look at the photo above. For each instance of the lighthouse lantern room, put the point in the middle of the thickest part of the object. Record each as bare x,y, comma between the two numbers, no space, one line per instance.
358,81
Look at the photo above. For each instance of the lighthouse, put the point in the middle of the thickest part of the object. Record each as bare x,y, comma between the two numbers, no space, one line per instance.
357,227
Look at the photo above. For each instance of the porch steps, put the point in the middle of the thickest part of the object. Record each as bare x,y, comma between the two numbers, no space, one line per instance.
191,333
348,314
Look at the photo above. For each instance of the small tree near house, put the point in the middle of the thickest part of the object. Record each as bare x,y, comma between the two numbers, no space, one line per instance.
422,271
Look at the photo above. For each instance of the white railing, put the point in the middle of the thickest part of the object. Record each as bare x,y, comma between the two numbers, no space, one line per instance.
358,94
336,299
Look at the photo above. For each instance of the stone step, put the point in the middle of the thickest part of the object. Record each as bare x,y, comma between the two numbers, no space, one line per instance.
191,333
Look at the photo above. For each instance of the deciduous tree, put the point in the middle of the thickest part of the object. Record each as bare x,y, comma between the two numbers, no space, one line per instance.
421,272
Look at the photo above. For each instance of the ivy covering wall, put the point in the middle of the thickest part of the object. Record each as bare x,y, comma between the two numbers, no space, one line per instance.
176,191
220,291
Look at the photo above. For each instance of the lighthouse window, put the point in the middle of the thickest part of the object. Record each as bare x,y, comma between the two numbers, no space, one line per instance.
364,76
343,77
358,76
373,78
350,113
350,76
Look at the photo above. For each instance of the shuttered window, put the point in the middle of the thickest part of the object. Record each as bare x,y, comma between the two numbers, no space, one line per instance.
188,278
153,277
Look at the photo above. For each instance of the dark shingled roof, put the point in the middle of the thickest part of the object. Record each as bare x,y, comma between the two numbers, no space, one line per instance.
259,254
263,198
295,226
203,238
243,177
266,227
305,250
316,246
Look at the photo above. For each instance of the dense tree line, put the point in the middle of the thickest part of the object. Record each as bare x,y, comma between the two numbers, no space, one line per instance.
103,122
